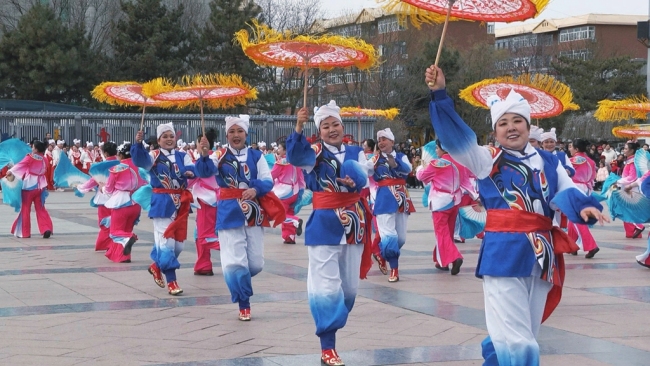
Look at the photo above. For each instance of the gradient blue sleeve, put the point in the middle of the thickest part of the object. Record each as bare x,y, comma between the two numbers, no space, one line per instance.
571,201
402,166
204,167
456,137
263,184
356,172
140,156
299,152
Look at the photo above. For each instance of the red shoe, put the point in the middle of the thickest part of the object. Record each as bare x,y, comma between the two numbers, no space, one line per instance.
331,358
394,275
245,315
480,235
157,275
174,289
204,272
382,263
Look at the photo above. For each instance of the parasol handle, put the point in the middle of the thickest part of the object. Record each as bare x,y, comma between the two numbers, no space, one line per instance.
144,106
444,31
202,119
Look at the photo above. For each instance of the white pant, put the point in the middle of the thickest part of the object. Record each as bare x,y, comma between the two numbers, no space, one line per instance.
242,257
392,231
513,313
332,283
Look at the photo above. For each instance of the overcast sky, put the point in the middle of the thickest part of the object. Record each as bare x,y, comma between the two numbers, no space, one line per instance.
556,8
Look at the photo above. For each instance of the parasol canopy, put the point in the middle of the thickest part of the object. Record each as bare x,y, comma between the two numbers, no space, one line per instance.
268,47
547,96
631,131
360,112
620,110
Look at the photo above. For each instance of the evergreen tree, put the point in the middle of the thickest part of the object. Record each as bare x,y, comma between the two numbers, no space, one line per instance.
150,42
43,60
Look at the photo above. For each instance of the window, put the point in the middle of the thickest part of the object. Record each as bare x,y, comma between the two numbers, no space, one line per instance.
334,78
576,54
388,25
490,28
578,33
352,30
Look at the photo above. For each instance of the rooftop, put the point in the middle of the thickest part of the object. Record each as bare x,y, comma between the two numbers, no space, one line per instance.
552,25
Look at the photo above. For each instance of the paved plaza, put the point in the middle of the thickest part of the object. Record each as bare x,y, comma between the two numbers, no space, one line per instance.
61,303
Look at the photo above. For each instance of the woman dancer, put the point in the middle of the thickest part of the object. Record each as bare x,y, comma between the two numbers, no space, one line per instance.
287,183
628,176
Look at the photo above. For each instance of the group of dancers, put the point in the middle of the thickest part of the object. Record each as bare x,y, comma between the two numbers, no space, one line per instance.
524,189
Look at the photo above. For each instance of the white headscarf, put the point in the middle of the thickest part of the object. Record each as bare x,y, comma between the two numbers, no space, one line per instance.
549,135
89,144
387,133
242,121
536,133
328,110
60,142
50,142
261,144
75,141
164,127
514,103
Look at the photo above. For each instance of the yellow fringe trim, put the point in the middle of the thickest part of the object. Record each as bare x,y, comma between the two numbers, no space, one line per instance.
418,16
263,35
99,93
618,131
194,82
545,83
621,110
354,111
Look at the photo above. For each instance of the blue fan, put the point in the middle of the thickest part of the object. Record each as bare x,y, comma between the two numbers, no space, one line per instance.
143,197
144,173
99,171
629,207
425,196
641,162
472,220
609,183
645,187
67,175
13,151
599,197
12,193
429,152
304,199
270,160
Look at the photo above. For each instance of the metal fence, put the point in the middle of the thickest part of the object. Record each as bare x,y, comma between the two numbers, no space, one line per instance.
120,127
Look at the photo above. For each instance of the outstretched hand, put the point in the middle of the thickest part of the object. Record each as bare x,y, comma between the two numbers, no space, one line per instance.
302,117
139,136
434,78
592,212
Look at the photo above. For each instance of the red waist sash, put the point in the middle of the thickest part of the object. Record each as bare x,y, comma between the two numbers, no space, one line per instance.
334,200
391,182
178,228
270,203
517,221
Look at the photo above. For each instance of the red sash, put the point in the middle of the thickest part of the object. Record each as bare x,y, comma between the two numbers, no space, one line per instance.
269,202
178,228
391,182
334,200
518,221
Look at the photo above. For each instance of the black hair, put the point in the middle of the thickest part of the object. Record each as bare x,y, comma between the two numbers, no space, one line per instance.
109,148
39,146
634,146
283,144
124,150
581,145
371,144
152,141
439,144
210,134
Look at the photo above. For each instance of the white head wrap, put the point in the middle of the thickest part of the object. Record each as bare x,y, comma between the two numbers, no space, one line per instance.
274,144
242,121
328,110
75,141
179,143
50,142
549,135
101,143
162,128
387,133
60,142
261,144
89,144
514,103
192,143
536,133
145,145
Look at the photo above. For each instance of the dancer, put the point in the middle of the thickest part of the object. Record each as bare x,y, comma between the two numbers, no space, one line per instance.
49,159
585,174
338,229
125,213
245,183
369,192
392,204
521,254
170,202
549,142
103,241
31,170
205,192
444,201
287,183
629,175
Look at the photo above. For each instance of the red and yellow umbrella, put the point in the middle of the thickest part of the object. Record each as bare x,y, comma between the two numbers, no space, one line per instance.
215,90
547,96
268,47
125,93
360,112
631,131
620,110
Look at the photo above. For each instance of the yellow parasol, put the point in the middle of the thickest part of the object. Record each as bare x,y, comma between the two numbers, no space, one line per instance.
547,96
268,47
359,112
631,131
125,93
620,110
216,90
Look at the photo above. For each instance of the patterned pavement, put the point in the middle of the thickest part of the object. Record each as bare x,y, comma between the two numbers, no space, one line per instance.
63,304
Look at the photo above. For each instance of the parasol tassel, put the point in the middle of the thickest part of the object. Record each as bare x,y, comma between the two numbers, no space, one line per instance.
621,110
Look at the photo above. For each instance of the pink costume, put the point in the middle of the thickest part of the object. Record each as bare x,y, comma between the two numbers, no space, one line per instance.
444,200
205,192
32,172
585,173
123,180
629,176
103,214
287,183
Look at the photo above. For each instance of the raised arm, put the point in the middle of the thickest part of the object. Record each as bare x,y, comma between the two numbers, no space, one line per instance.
299,151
